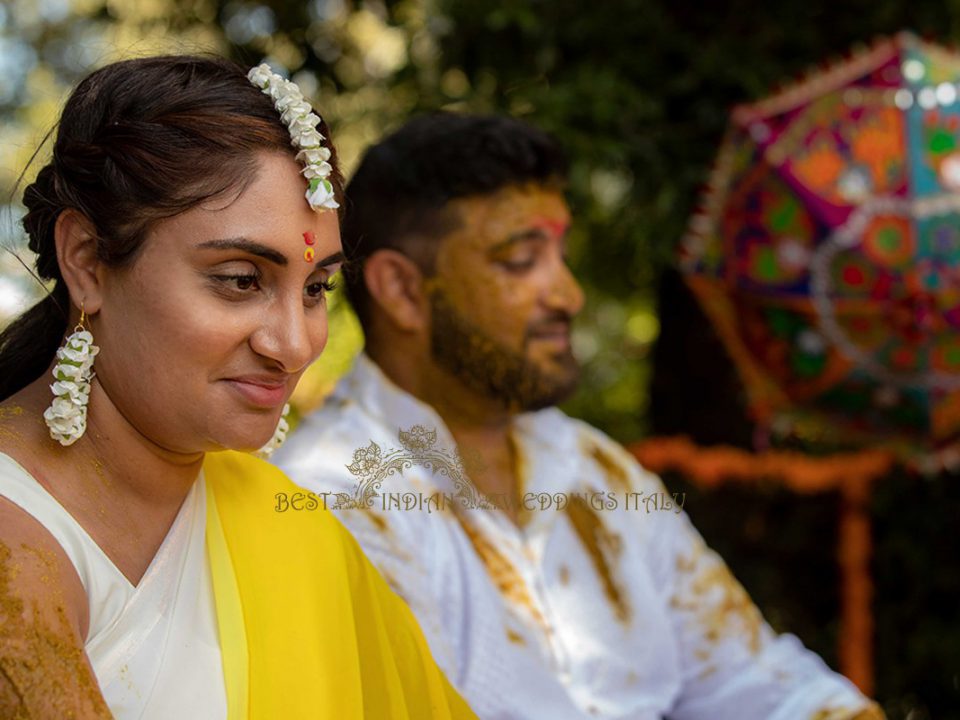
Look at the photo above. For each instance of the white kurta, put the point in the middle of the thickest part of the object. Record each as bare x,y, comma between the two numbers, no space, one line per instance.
592,611
154,647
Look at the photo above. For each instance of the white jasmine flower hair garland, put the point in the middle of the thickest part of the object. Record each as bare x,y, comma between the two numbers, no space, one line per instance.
298,116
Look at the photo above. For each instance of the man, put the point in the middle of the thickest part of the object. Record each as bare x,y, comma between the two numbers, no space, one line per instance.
571,597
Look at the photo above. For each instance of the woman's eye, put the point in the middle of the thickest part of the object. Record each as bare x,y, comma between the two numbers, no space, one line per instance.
320,288
245,282
241,282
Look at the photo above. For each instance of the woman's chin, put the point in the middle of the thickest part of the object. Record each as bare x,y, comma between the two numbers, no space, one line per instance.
250,441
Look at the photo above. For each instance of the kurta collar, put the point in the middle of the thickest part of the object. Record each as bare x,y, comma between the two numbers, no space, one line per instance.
394,407
549,444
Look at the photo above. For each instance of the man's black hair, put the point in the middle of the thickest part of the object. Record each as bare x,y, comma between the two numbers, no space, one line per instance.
398,196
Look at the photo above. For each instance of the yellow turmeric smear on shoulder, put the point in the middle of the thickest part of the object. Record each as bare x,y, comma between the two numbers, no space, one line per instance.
42,662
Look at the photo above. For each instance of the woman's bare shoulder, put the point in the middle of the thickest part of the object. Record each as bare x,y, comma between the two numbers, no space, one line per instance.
43,618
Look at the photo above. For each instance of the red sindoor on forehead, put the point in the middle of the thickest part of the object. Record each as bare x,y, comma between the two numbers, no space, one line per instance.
556,228
308,238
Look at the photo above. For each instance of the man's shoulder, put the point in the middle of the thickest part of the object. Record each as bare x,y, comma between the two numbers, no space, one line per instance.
615,464
353,459
339,419
555,424
343,446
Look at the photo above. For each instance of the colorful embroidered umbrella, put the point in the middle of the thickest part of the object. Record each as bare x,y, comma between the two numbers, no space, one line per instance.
827,253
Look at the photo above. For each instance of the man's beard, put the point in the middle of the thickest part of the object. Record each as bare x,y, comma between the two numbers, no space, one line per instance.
492,370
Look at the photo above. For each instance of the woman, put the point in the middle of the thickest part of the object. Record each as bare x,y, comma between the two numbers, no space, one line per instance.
144,573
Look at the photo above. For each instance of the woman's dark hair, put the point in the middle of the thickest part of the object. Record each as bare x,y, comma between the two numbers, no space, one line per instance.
398,196
138,141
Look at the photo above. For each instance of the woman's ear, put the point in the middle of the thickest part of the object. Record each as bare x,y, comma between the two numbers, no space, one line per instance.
396,285
76,241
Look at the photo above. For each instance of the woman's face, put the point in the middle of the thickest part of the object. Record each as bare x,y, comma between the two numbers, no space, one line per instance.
202,339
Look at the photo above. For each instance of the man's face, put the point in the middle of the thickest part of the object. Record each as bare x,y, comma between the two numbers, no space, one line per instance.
503,298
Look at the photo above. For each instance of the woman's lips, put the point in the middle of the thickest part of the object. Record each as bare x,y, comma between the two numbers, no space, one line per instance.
261,393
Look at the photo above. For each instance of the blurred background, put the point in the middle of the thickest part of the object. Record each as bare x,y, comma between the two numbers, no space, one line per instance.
639,92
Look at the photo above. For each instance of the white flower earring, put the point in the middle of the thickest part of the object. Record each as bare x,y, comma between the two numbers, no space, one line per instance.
279,436
67,415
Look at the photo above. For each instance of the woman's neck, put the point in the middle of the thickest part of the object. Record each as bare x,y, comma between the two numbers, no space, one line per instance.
123,489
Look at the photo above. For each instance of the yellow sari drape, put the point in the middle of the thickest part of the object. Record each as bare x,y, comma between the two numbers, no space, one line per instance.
308,627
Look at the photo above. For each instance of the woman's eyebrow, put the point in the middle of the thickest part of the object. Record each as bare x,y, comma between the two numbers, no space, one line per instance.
249,246
337,257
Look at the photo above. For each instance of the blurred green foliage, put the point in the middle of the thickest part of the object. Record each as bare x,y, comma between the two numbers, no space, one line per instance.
638,91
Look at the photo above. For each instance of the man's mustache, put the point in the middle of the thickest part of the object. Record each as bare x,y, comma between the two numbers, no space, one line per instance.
555,323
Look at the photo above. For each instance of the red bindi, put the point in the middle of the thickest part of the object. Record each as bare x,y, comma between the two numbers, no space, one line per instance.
308,238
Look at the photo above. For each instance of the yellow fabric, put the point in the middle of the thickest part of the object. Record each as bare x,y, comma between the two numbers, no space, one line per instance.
325,637
233,638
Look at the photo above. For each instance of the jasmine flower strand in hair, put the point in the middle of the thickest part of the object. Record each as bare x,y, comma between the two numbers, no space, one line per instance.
301,121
